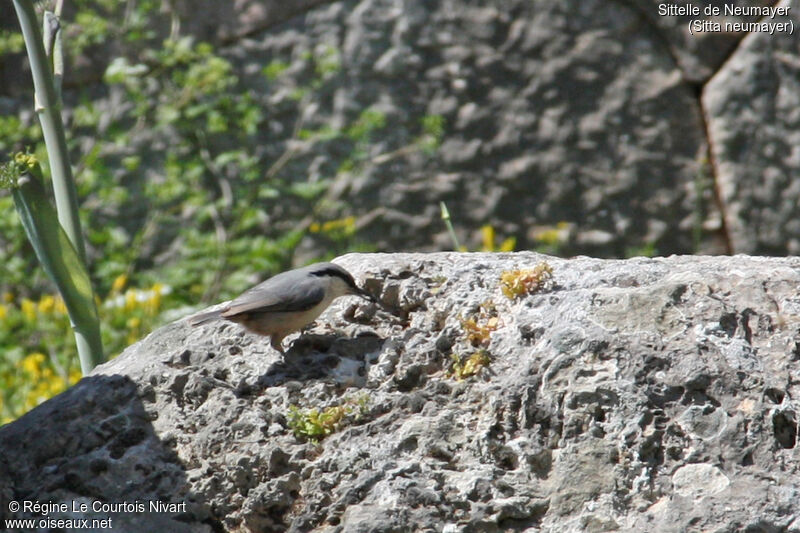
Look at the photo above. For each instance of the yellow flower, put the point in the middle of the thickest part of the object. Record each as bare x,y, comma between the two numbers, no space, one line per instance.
46,382
130,299
3,312
508,245
549,236
28,309
46,304
74,376
28,160
32,364
155,299
60,307
346,224
119,283
134,322
488,235
55,385
488,238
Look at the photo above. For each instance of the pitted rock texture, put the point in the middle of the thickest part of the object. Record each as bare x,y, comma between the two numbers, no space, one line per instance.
638,395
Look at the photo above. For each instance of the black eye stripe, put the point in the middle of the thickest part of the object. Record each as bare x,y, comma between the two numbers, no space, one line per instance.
329,271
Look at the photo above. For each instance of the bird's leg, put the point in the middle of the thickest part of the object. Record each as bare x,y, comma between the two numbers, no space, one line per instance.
275,342
305,329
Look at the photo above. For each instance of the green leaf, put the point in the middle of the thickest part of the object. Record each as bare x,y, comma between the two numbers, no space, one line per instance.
274,69
308,190
55,251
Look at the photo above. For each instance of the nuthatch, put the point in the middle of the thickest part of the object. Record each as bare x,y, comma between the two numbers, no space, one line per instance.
287,302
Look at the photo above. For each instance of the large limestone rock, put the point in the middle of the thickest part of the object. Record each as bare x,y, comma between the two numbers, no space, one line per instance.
639,395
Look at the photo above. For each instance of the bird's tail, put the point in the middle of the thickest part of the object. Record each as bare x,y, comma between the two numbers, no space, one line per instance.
203,318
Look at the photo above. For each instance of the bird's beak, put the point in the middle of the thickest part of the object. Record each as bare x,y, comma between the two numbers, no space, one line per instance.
366,295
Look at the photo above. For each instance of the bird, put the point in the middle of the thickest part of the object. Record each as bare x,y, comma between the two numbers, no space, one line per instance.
286,302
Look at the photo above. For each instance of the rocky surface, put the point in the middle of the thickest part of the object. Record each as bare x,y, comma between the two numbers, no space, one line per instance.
638,395
700,54
753,105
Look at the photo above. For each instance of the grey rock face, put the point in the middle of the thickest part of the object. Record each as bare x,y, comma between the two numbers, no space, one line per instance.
603,115
554,111
702,53
638,395
754,125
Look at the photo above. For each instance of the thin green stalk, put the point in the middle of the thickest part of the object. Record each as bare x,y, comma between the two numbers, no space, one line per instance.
44,232
60,260
51,33
49,111
446,218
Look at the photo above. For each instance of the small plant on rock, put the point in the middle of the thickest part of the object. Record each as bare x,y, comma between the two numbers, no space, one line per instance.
314,424
478,328
464,367
518,283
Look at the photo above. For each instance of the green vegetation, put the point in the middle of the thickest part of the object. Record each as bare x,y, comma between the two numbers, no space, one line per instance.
188,192
552,239
464,367
56,254
478,329
39,351
11,42
487,236
55,234
449,224
314,425
645,250
518,283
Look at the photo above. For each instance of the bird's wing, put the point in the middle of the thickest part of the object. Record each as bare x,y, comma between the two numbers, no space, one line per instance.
202,318
277,294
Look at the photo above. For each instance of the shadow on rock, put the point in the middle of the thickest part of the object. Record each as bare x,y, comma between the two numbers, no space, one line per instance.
92,453
313,357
